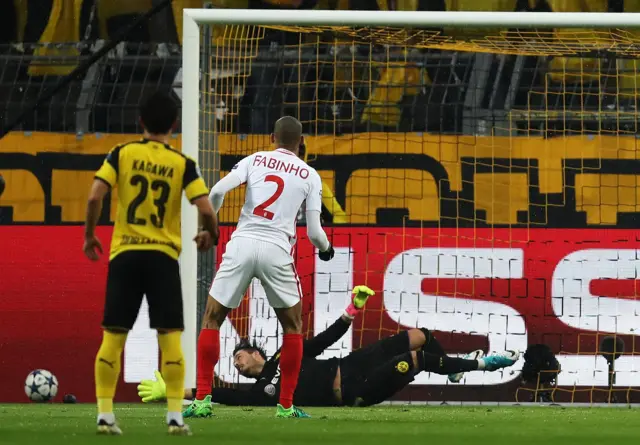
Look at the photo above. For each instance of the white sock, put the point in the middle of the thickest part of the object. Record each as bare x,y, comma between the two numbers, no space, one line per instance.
110,418
481,364
176,417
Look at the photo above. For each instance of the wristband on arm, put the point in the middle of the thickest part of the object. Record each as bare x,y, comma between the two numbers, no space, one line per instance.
351,311
360,296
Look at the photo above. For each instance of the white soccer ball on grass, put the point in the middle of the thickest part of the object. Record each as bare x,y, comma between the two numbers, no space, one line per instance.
41,385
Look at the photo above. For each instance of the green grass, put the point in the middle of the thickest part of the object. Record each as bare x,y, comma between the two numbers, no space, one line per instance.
74,424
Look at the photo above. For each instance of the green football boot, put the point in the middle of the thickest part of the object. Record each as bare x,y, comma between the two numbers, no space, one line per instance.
199,408
294,411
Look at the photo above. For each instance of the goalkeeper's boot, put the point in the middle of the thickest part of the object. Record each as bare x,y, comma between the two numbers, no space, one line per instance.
175,429
475,355
500,360
199,408
108,429
293,411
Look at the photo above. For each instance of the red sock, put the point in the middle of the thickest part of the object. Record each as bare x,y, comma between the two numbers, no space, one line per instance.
290,360
208,355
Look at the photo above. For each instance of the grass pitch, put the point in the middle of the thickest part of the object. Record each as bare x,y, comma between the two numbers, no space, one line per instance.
54,424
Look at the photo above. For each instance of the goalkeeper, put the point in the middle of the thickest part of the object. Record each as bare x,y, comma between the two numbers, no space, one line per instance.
365,377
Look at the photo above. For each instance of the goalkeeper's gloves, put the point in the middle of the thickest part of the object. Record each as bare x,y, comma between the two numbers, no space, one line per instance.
327,254
153,390
360,296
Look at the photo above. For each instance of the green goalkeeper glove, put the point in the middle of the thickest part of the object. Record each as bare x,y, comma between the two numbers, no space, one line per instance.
153,390
361,294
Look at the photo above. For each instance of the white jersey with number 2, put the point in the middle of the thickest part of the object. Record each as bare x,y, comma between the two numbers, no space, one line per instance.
278,182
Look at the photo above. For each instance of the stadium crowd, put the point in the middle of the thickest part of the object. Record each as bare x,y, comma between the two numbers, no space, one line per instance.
433,78
67,20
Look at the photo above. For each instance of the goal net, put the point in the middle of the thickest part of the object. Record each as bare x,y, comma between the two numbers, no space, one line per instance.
480,173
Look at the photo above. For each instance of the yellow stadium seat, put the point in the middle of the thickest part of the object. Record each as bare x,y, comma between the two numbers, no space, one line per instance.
480,5
289,4
395,84
341,5
179,5
476,5
629,69
20,7
576,69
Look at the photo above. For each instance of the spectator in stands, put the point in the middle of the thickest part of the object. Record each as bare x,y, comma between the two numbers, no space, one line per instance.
566,83
574,69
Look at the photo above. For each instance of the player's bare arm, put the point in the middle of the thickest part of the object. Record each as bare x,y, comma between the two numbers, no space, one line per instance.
317,236
209,208
92,245
208,236
315,232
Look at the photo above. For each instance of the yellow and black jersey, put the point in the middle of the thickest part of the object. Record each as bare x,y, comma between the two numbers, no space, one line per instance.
150,177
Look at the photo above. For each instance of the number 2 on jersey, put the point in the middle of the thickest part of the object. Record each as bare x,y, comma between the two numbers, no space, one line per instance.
261,209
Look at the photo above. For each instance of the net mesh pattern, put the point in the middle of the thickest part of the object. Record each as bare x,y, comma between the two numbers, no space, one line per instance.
450,159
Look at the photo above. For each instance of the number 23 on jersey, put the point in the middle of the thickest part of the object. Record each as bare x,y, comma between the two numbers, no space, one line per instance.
161,190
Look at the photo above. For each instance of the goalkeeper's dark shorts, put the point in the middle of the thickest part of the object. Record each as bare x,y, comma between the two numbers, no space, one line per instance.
134,274
355,367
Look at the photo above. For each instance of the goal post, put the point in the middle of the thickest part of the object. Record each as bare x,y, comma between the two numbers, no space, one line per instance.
402,19
489,222
190,147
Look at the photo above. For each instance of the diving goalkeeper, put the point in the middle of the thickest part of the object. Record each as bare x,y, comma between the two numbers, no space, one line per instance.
365,377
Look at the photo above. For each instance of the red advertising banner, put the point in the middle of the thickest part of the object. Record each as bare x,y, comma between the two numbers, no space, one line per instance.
489,288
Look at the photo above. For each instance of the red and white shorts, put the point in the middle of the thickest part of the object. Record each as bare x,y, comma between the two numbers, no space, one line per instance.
248,258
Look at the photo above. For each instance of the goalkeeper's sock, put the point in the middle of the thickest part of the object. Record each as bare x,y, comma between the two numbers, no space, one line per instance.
108,418
208,355
107,371
173,370
443,364
431,345
290,361
175,417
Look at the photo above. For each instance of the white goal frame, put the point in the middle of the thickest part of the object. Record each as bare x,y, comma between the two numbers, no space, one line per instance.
194,18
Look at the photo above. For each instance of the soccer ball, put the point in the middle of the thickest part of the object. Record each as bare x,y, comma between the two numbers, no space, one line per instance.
41,385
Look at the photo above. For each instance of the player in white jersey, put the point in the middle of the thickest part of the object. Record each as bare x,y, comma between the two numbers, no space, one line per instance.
278,182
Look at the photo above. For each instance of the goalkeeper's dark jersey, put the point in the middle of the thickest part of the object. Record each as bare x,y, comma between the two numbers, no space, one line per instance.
315,384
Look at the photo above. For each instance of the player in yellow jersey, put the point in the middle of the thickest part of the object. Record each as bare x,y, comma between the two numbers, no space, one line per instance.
150,177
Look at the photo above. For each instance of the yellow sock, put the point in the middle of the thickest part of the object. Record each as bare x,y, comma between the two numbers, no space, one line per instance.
107,369
172,369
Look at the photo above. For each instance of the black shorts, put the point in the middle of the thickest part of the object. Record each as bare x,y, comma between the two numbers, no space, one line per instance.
135,274
355,367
